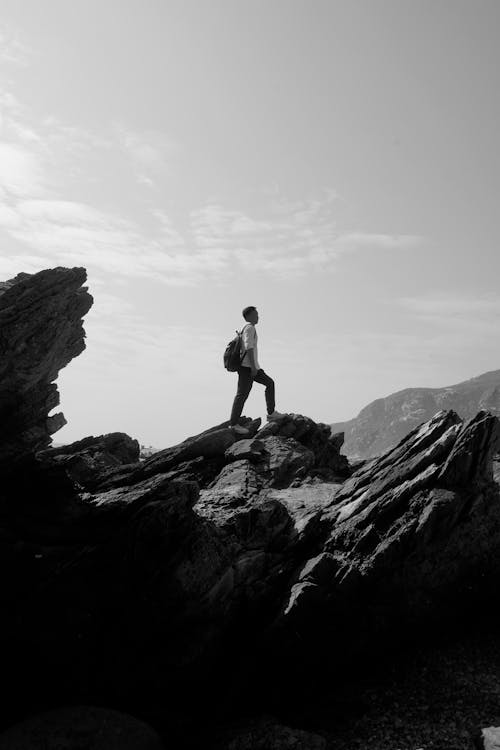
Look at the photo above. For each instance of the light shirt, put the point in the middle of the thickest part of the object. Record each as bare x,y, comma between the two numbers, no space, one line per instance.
249,341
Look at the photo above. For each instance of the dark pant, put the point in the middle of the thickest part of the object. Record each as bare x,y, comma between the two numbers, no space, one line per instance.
245,383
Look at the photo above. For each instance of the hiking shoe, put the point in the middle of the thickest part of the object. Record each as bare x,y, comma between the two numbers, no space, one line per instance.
239,430
275,415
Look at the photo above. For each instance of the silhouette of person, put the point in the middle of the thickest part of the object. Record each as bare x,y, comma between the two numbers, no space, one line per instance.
250,371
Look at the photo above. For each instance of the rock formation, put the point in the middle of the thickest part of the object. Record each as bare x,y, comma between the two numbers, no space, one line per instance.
225,564
40,332
411,533
383,423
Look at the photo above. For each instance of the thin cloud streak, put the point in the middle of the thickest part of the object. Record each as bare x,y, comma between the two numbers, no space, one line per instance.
288,240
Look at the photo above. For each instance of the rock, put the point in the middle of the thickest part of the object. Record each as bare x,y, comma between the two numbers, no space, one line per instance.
471,459
210,445
269,735
41,328
81,728
414,532
253,450
316,437
490,739
86,460
288,459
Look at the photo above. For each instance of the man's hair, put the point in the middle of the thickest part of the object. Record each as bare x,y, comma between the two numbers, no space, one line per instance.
248,310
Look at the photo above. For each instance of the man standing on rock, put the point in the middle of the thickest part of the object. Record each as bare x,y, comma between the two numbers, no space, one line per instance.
250,371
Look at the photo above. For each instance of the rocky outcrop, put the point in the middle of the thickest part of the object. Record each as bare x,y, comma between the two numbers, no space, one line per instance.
86,459
40,332
410,537
383,423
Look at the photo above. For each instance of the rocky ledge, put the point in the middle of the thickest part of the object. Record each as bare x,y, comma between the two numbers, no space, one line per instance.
224,567
41,331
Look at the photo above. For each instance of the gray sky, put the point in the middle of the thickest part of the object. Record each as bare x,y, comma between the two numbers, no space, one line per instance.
335,164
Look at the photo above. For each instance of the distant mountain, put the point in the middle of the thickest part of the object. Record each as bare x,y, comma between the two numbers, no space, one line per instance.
384,422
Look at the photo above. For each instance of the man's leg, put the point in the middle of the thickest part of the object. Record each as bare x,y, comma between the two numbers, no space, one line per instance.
245,382
264,379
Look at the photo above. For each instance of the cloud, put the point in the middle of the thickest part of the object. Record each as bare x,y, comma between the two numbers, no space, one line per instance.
293,239
67,199
150,151
13,51
21,174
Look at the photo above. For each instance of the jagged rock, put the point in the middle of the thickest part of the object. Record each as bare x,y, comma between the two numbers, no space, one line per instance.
471,459
210,445
41,331
408,534
253,450
86,459
288,459
81,727
317,437
488,739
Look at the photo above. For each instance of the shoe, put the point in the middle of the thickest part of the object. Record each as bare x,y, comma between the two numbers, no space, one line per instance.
275,415
239,430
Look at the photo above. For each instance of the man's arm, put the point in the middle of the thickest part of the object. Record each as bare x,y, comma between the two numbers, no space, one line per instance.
248,342
251,357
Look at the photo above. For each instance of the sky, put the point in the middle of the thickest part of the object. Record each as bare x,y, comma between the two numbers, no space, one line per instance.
336,164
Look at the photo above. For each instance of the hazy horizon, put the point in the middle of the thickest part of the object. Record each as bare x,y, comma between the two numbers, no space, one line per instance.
335,164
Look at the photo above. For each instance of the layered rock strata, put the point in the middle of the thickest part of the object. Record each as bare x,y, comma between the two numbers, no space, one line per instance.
40,332
410,537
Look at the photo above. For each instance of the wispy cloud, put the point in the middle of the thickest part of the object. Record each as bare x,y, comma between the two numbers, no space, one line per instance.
47,165
293,238
13,50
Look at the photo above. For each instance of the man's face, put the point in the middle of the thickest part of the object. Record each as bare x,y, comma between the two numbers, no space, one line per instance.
255,317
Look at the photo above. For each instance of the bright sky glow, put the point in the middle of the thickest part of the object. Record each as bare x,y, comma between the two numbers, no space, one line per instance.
335,163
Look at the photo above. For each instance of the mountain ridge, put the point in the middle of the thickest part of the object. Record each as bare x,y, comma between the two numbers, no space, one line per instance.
382,423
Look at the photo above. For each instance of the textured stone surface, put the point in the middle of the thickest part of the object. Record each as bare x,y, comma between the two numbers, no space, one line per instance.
85,460
411,532
40,332
317,437
490,738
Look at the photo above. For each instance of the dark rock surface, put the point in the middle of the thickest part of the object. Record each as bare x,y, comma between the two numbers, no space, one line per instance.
410,536
40,332
383,423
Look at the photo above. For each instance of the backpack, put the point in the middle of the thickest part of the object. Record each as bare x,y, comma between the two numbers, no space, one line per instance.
232,354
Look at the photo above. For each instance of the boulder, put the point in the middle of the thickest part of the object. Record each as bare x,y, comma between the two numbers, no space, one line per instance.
288,460
85,460
488,739
317,438
411,536
41,328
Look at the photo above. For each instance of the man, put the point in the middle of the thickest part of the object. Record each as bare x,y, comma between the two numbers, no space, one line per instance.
250,371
